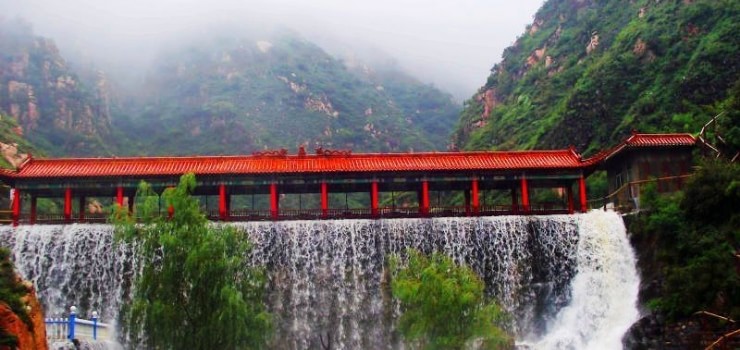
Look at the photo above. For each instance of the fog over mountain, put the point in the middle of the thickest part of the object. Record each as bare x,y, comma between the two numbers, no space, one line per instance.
448,43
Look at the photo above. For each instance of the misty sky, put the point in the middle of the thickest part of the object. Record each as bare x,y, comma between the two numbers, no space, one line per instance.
451,43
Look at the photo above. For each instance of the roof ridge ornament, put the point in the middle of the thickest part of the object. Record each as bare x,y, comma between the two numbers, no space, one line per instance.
271,153
321,151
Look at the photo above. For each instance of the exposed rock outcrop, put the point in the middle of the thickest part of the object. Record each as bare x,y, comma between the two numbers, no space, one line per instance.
10,153
29,338
488,98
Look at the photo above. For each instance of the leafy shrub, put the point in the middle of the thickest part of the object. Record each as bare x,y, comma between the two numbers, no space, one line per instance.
444,306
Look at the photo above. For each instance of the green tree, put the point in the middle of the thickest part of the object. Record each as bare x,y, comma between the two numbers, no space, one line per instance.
196,289
697,238
444,306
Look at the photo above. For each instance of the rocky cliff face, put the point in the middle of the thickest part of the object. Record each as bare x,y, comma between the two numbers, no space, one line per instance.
50,103
587,72
31,338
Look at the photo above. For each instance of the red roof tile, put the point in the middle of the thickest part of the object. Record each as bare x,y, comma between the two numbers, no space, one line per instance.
649,140
250,165
335,163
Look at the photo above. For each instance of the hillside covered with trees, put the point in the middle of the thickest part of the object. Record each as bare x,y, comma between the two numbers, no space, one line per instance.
227,94
587,72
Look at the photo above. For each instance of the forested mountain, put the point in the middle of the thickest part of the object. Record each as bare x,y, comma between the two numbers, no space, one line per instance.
587,72
239,95
220,95
53,108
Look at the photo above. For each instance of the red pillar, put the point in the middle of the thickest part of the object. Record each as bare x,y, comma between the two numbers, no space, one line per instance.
222,214
68,204
514,201
582,194
474,194
525,194
374,198
34,199
424,197
170,211
16,206
569,193
119,196
274,205
81,204
324,200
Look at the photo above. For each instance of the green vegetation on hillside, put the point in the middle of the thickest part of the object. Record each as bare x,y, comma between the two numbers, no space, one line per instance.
697,235
196,289
243,95
443,305
588,72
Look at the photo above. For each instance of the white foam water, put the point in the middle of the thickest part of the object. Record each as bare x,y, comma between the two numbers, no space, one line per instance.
604,290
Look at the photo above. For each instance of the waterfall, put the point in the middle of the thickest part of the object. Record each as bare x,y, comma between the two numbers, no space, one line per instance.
327,279
604,290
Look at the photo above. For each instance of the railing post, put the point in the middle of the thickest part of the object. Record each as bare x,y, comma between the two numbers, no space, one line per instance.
474,194
71,322
68,204
324,200
95,325
582,194
16,206
514,201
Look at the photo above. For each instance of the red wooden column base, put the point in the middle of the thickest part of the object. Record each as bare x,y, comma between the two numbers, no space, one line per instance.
222,212
16,206
424,198
274,204
374,199
119,196
324,200
68,204
525,195
582,194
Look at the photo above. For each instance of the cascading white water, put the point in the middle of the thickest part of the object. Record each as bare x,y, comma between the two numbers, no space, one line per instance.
327,278
604,290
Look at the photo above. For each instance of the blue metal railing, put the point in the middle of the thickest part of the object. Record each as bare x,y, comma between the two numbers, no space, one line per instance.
72,327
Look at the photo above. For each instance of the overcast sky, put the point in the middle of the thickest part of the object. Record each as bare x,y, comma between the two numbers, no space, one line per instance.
451,43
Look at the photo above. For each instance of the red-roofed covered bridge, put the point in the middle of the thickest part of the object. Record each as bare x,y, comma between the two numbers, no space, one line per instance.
273,175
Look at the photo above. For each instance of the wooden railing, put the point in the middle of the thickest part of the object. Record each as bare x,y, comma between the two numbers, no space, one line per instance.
623,202
332,213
